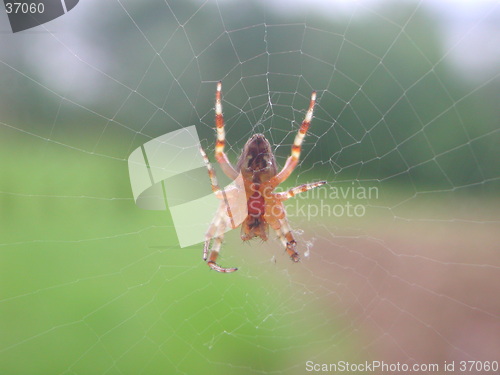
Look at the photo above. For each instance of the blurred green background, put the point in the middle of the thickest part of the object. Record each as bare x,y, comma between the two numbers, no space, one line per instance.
91,284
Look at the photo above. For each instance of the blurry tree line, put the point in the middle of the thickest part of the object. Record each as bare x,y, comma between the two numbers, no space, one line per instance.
389,108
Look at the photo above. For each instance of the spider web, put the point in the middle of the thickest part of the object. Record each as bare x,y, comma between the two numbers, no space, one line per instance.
400,249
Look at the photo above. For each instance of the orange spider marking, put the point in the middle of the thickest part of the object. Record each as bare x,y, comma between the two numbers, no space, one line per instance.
258,169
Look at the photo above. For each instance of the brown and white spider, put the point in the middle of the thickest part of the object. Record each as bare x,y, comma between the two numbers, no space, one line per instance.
257,170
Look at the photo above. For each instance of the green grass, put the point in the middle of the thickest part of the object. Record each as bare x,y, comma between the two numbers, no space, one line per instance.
91,284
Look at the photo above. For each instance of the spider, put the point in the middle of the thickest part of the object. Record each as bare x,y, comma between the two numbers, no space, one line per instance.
257,170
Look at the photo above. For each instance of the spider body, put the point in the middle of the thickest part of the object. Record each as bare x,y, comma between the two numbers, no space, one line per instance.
259,172
257,165
257,162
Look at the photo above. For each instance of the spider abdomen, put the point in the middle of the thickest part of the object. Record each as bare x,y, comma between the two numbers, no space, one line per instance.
256,205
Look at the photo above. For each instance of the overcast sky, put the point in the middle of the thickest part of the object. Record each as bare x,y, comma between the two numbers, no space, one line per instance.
471,28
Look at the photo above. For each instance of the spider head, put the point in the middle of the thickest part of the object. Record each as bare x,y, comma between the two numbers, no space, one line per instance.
257,162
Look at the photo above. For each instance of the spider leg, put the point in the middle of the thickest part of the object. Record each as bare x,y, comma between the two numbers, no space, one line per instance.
213,258
216,233
220,155
293,159
298,189
218,226
215,230
222,219
219,193
211,172
276,218
286,237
